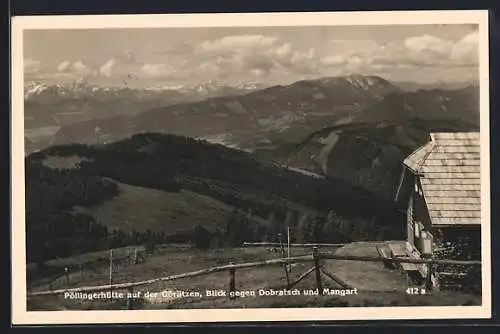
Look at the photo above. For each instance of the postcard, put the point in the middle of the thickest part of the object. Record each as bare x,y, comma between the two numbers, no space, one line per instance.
250,167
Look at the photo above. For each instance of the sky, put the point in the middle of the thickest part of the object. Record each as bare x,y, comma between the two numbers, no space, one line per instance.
273,55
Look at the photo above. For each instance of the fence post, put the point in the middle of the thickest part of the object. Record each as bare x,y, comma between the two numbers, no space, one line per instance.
81,272
111,267
232,282
428,279
289,254
317,269
136,259
128,256
130,301
66,273
285,265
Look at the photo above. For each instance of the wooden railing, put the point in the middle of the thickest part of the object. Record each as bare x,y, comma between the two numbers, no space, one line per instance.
277,244
95,266
315,258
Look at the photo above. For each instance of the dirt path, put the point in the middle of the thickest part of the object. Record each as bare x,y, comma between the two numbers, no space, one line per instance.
368,276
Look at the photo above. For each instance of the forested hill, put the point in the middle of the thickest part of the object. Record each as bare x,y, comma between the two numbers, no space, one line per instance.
174,163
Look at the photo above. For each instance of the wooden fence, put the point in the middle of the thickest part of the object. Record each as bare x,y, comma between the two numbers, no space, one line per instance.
277,244
315,258
97,265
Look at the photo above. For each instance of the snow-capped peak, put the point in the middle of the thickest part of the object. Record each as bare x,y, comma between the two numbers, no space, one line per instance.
165,87
360,81
76,88
34,88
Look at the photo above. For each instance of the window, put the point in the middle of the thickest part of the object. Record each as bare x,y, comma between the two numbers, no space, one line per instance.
417,230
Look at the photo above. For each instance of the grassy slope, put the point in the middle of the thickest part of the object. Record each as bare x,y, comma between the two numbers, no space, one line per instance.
178,260
383,144
146,208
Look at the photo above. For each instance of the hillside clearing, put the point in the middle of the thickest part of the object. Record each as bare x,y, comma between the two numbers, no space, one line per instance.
68,162
145,208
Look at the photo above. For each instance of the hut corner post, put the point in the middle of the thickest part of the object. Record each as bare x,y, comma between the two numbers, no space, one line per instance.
315,254
428,279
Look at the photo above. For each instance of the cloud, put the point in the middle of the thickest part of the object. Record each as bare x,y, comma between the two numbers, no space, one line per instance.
267,57
338,60
31,65
80,67
107,69
122,65
77,68
156,70
64,66
421,52
428,43
257,55
238,43
466,50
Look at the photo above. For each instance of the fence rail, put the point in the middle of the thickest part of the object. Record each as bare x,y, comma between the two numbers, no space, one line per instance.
396,259
315,258
297,259
277,244
94,266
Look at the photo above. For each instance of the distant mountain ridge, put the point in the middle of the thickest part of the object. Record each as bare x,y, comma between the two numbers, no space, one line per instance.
48,107
280,113
357,128
43,92
415,86
367,150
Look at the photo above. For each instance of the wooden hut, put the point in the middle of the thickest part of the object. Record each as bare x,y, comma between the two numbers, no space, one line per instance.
440,185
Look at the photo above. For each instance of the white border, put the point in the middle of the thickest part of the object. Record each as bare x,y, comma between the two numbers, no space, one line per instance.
19,313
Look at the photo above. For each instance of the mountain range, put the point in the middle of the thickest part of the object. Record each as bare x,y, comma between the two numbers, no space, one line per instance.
37,91
351,133
49,107
415,86
243,120
281,114
313,125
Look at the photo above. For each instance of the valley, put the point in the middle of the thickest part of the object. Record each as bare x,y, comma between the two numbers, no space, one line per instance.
219,170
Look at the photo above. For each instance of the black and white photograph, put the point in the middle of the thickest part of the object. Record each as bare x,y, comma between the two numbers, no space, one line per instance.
250,167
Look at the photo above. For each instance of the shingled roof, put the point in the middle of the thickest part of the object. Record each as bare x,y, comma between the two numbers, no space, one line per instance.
449,170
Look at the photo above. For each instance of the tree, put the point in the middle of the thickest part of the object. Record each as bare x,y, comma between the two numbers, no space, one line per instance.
237,229
217,240
330,229
201,237
290,219
274,226
303,228
150,244
317,230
